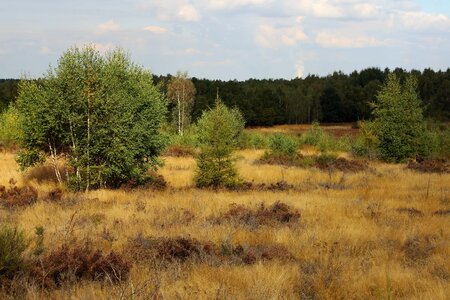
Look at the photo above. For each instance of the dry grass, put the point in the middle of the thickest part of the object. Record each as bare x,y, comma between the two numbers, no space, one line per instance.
337,130
359,236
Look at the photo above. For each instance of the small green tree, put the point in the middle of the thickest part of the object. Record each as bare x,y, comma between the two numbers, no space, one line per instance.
218,132
181,92
10,132
101,113
398,121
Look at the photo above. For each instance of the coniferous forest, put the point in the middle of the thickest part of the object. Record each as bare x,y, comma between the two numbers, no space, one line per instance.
335,98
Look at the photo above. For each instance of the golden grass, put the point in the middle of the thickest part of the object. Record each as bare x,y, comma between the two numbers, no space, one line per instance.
349,243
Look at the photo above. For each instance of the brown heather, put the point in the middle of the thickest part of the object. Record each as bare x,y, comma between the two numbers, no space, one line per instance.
380,233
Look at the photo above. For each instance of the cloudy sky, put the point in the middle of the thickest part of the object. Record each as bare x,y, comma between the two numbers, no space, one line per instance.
230,39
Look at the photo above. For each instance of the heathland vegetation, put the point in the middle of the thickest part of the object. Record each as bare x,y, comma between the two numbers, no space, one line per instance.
116,185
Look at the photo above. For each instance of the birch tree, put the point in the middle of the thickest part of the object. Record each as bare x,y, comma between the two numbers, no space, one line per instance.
181,92
101,113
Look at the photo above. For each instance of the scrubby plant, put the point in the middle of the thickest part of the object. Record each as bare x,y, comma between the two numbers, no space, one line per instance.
367,142
324,141
281,144
218,132
252,140
13,243
101,112
398,121
10,132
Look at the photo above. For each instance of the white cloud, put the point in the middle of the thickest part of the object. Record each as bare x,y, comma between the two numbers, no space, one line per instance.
347,40
231,4
103,48
171,10
155,29
418,20
317,8
269,36
188,13
108,26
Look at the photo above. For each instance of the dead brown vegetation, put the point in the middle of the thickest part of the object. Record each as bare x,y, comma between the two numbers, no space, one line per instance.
430,166
344,165
277,214
17,196
70,264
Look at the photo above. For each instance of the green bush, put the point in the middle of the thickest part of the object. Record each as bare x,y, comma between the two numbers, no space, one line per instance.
313,136
282,144
218,132
10,132
252,140
12,245
440,142
324,141
366,143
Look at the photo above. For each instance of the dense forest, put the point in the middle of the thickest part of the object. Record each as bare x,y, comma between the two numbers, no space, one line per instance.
337,97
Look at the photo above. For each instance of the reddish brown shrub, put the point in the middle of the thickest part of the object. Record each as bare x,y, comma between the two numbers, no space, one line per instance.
344,165
276,214
430,166
179,151
442,212
18,196
178,249
55,195
418,248
411,211
71,264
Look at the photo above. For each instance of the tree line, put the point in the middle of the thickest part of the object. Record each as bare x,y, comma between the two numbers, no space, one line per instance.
335,98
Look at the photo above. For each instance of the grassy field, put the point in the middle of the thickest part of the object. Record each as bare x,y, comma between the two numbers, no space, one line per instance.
383,233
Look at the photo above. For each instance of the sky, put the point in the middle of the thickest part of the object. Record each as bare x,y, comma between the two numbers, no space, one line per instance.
229,39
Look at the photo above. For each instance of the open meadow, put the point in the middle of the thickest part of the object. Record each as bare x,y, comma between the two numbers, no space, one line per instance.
289,233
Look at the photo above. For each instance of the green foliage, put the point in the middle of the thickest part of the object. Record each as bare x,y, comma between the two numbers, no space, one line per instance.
316,136
252,140
218,132
102,113
10,132
12,245
440,141
398,121
367,142
283,144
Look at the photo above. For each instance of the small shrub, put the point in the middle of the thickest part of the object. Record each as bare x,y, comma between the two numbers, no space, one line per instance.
430,166
252,140
330,162
282,144
366,143
18,196
10,132
178,249
313,136
73,263
276,214
418,248
12,245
